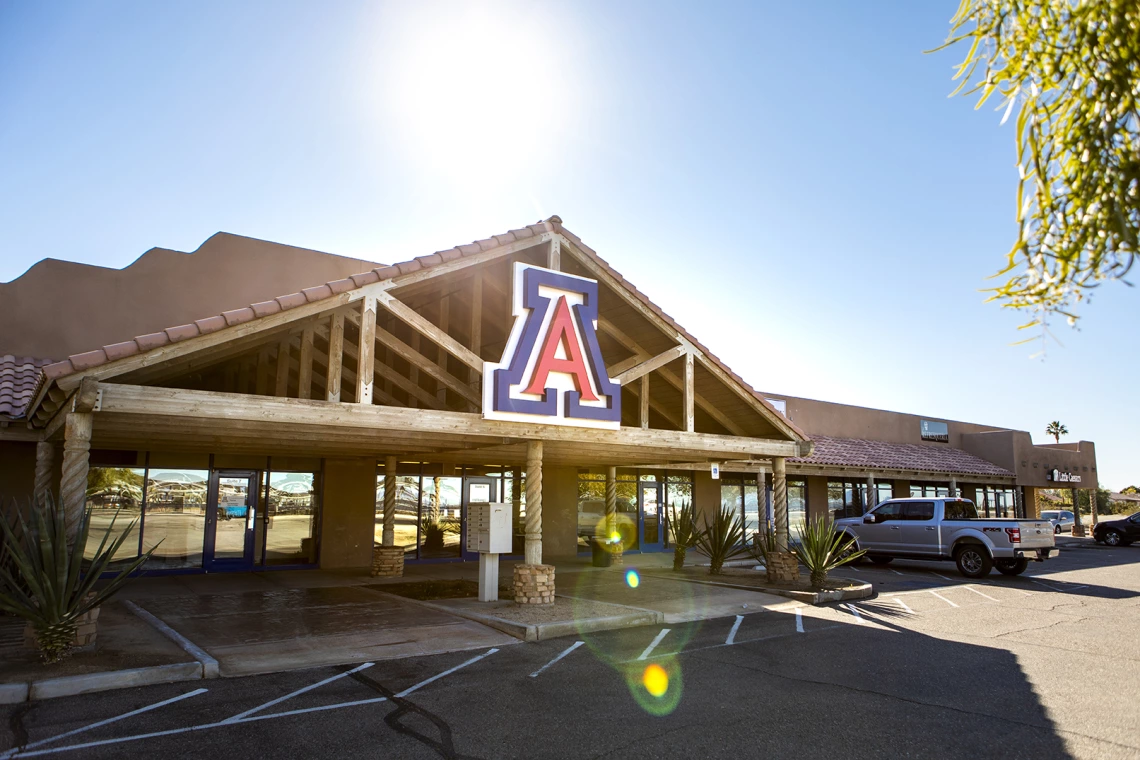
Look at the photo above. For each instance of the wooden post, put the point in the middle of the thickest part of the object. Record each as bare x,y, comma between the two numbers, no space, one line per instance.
611,502
554,255
441,355
281,387
532,550
261,384
780,502
366,351
690,419
953,488
389,536
73,484
45,464
305,376
336,357
872,497
476,322
643,414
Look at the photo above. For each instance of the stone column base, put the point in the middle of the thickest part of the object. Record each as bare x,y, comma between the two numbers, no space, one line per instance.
387,561
1078,529
534,584
783,567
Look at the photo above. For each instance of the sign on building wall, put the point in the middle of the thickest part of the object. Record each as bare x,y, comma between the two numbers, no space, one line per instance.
935,431
1063,477
552,370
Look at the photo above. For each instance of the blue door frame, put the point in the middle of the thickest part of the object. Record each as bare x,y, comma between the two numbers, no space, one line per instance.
651,516
222,512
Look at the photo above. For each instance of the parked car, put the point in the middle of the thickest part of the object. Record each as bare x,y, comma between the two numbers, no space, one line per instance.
1062,519
1118,532
949,529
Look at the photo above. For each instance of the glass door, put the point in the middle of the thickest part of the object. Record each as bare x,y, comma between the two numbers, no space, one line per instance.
230,518
651,523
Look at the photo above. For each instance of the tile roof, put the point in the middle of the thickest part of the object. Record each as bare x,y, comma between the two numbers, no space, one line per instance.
79,362
19,378
881,455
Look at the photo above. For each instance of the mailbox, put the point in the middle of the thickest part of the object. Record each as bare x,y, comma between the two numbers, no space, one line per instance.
489,528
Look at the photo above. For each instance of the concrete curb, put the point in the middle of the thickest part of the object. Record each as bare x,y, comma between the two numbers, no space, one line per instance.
67,686
545,631
208,663
858,590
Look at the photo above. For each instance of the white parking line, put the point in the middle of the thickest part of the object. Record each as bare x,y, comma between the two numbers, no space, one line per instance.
565,652
117,718
904,605
735,627
932,591
447,672
943,577
855,612
653,644
896,572
979,593
290,695
1023,592
799,621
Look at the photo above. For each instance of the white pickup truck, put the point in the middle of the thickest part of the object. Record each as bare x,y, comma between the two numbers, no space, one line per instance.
949,529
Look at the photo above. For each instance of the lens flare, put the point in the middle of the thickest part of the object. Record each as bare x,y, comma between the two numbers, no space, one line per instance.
655,680
632,579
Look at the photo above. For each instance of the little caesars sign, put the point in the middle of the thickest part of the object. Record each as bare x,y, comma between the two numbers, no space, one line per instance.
1064,477
552,370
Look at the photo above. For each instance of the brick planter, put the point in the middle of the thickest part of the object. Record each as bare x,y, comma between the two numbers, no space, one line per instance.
783,567
534,584
86,629
387,561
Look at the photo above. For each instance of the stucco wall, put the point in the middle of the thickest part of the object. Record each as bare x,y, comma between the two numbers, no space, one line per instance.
706,496
349,512
559,512
816,496
1014,450
58,308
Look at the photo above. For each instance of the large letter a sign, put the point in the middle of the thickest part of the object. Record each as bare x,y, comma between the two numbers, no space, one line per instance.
552,370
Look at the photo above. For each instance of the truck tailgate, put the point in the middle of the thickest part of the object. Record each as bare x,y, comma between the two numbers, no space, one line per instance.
1036,534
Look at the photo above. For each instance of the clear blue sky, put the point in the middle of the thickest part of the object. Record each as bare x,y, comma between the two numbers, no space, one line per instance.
788,180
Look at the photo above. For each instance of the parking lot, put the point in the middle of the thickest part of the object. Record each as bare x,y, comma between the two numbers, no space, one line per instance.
1042,665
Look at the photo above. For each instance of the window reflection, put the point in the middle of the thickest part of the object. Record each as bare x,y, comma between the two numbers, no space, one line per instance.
114,494
291,516
175,517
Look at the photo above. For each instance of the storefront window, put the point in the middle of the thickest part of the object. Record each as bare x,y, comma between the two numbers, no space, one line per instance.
175,517
114,494
291,515
440,517
845,498
742,494
797,506
592,508
407,509
929,490
678,495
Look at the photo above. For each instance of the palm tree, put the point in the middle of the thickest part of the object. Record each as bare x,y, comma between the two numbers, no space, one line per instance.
1056,429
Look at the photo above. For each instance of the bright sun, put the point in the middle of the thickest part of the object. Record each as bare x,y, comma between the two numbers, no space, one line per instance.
472,89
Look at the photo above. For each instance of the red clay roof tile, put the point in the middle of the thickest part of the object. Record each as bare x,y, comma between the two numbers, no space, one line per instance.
365,278
881,455
319,293
430,260
386,273
291,301
182,332
152,340
121,350
88,359
19,379
341,286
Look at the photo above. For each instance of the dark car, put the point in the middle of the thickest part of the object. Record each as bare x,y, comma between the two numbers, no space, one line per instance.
1118,532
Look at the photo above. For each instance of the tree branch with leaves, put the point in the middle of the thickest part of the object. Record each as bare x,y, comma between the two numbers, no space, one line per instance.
1070,70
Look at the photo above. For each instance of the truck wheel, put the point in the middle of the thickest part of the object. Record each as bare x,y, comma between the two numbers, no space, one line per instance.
1056,530
854,547
973,561
1011,566
878,559
1112,537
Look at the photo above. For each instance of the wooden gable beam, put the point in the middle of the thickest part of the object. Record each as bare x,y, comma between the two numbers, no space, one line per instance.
428,367
389,373
436,335
647,366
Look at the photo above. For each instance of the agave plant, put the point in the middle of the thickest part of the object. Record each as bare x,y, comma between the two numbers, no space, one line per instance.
821,549
765,544
722,538
48,582
686,533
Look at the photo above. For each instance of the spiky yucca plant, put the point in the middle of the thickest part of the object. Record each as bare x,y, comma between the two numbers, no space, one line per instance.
821,549
722,538
47,582
686,533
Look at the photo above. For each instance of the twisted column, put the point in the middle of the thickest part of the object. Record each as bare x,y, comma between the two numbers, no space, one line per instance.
780,502
1092,507
45,463
389,537
611,501
1078,526
532,553
73,483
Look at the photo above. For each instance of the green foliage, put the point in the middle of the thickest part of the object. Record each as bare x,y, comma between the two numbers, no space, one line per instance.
1130,490
821,549
47,581
434,531
685,532
765,544
722,538
1056,429
1069,69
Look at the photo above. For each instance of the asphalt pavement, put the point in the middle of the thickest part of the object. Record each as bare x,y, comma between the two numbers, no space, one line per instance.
1042,666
